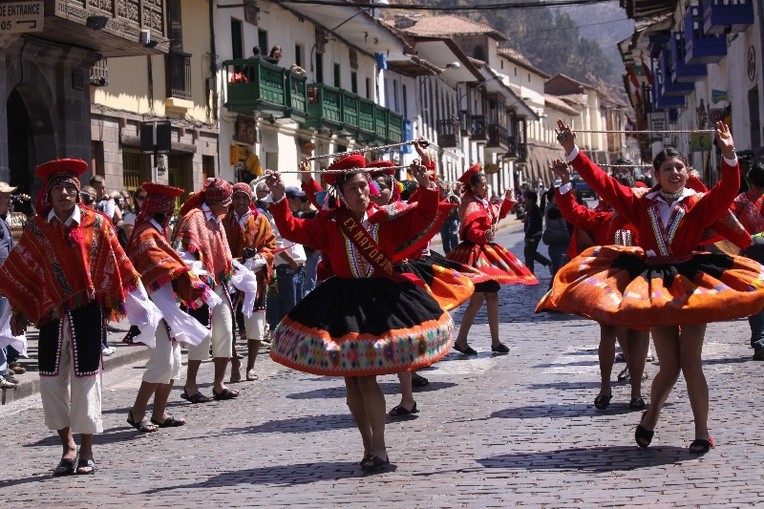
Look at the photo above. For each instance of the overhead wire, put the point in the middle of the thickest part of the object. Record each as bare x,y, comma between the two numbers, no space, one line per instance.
525,4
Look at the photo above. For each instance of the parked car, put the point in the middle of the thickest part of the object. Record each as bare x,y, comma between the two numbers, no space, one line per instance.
582,188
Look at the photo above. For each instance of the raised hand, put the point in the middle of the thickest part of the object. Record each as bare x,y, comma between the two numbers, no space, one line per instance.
565,136
724,140
420,174
275,185
561,170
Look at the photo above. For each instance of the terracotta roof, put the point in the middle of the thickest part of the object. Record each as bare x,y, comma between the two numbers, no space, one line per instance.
453,25
519,58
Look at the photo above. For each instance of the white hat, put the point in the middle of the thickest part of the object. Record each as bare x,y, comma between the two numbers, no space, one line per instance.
5,188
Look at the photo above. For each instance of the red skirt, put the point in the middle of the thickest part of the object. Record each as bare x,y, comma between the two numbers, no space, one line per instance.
615,285
495,261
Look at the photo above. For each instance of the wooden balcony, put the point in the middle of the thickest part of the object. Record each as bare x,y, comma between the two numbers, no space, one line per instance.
110,28
476,127
498,138
725,16
449,133
701,48
254,85
679,70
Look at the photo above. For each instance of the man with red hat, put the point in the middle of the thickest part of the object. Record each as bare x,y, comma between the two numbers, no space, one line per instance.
169,279
251,240
201,240
68,275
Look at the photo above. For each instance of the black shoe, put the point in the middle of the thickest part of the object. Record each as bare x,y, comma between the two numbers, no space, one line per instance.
637,403
375,464
601,402
642,435
700,446
467,351
758,354
500,348
419,381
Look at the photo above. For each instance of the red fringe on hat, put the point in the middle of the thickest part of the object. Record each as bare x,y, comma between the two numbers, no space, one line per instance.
344,163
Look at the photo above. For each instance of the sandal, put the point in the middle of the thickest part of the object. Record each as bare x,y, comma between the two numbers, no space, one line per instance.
144,426
419,381
251,375
642,435
701,446
602,402
169,422
65,467
86,467
224,394
375,464
402,411
197,397
637,403
500,348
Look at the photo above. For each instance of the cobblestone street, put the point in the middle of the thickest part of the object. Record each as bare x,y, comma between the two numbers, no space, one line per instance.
492,431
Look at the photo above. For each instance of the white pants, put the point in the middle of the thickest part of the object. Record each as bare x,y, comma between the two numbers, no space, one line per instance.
78,408
255,325
164,360
222,332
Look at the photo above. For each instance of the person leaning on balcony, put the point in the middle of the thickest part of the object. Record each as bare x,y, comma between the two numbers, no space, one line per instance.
274,56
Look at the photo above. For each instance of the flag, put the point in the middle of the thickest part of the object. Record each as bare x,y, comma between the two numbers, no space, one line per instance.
381,61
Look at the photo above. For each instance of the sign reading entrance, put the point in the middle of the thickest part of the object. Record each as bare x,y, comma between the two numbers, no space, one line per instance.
16,17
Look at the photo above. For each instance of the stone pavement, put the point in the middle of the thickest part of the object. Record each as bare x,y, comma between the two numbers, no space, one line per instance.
493,431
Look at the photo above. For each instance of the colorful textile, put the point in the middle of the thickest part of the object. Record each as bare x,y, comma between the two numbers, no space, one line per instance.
207,241
448,282
362,327
55,172
159,264
217,190
54,268
255,234
749,209
159,199
618,285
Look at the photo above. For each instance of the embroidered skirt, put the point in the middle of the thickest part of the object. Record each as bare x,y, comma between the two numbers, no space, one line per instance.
614,285
450,283
361,327
495,261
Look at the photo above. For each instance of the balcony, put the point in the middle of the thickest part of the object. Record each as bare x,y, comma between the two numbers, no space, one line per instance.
178,77
474,127
449,133
680,71
112,29
256,85
701,48
99,74
726,16
498,138
661,101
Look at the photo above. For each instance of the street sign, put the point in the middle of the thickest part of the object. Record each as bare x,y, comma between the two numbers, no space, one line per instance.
17,17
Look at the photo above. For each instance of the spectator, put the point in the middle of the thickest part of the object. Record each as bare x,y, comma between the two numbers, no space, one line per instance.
449,231
300,207
274,56
126,229
534,223
7,380
103,201
88,196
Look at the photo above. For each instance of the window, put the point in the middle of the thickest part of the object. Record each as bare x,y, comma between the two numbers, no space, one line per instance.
298,54
236,39
262,41
319,68
133,172
337,77
405,102
368,88
396,105
354,82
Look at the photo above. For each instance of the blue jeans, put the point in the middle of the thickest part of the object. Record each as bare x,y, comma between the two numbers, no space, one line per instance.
311,269
290,284
449,234
557,255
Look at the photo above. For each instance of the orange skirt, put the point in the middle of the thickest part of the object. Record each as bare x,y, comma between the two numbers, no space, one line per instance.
614,285
495,261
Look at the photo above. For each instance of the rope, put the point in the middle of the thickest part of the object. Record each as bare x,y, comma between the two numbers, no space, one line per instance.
667,131
348,170
368,148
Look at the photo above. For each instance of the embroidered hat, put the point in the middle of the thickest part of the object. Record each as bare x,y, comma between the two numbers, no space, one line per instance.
217,190
471,172
345,163
159,198
57,171
244,188
381,168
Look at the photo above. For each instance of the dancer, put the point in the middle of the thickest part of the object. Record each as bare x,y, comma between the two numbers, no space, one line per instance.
367,320
606,227
252,241
664,284
168,279
68,275
478,220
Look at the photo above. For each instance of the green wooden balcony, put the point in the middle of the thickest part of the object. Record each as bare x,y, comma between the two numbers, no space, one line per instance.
254,85
395,128
324,107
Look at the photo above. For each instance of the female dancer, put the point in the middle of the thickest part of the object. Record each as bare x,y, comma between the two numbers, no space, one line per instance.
607,228
664,284
367,320
478,219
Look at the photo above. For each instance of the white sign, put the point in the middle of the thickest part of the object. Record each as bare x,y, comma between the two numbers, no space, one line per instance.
657,122
16,17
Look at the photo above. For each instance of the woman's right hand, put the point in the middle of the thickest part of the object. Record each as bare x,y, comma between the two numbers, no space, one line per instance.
565,136
304,168
561,170
275,185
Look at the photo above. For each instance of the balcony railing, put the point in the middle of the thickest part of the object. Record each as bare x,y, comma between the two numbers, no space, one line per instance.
476,127
701,48
178,75
497,137
99,74
449,133
256,85
680,71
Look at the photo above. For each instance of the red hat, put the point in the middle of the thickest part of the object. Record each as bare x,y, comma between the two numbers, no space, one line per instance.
55,172
471,172
385,168
242,187
217,190
159,197
345,163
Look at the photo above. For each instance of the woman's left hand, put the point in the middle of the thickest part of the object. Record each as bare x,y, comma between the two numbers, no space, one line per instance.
424,154
724,140
275,185
420,174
